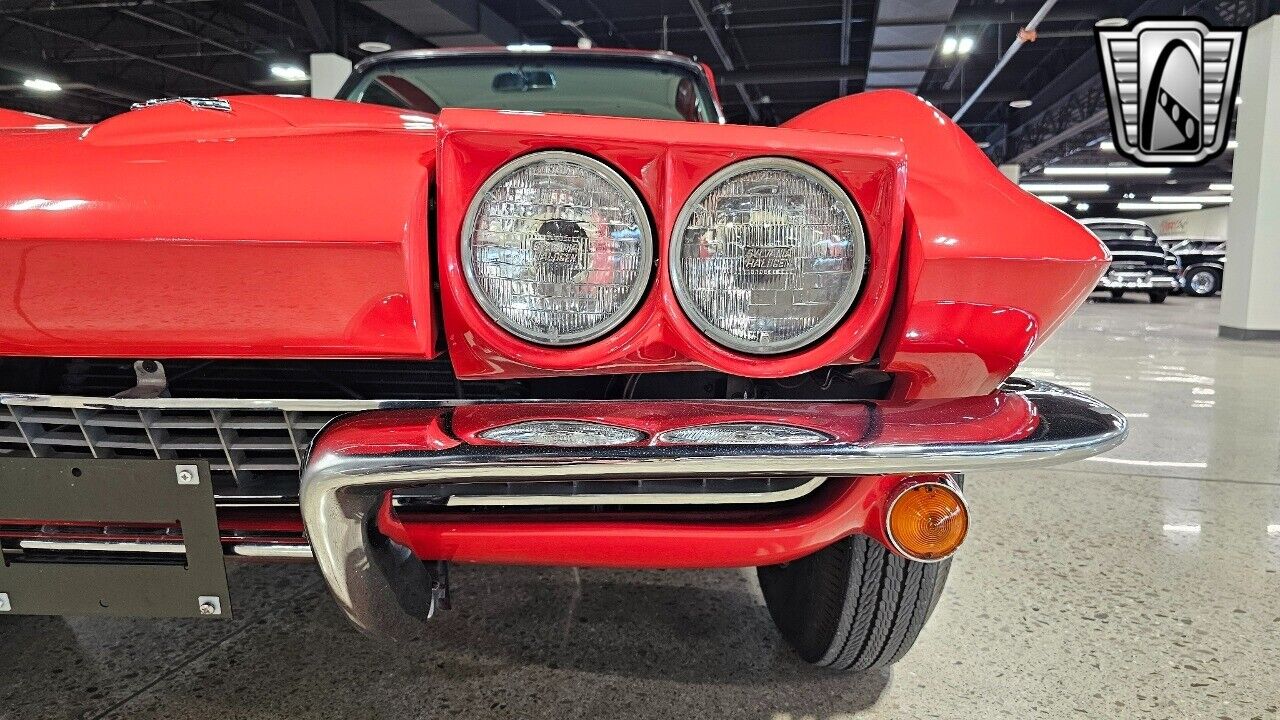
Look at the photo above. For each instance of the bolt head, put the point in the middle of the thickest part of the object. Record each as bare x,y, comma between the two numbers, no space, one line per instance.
209,605
188,475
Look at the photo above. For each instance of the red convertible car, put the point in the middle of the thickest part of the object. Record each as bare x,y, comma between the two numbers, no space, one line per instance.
521,306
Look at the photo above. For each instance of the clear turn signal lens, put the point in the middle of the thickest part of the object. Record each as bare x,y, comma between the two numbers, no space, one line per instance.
742,434
562,433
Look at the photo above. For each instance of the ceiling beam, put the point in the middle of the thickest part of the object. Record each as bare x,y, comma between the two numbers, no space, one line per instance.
147,19
846,33
725,60
790,75
316,26
28,68
127,53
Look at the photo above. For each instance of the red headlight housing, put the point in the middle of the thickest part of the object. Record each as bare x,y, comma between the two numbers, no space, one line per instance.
664,162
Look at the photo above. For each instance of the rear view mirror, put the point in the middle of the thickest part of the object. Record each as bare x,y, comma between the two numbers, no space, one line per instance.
524,81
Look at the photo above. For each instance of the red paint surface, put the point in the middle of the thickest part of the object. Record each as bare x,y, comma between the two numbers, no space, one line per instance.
298,228
287,228
702,540
988,269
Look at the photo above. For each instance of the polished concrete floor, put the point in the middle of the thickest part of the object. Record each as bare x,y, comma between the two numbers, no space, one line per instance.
1141,584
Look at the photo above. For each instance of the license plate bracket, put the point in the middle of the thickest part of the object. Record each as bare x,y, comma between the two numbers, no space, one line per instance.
126,491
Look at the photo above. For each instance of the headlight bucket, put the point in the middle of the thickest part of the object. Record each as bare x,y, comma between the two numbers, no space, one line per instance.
767,255
557,248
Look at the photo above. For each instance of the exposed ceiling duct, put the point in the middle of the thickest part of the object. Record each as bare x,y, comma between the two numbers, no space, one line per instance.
906,34
448,23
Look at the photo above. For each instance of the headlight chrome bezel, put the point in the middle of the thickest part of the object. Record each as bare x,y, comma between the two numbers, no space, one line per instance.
638,289
836,315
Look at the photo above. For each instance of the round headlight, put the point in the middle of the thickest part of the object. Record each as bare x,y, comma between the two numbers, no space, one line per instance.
767,255
557,248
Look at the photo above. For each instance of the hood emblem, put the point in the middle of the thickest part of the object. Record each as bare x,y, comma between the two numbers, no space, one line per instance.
200,103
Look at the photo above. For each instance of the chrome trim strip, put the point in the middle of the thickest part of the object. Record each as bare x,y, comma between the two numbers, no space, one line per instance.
384,589
392,56
274,551
709,498
84,402
174,548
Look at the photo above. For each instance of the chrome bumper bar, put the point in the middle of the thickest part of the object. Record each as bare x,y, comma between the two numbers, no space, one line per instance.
385,590
1157,282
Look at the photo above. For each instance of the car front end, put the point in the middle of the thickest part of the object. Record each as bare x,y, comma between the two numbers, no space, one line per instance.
389,341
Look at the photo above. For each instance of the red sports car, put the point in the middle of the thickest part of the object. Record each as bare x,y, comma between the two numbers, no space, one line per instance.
530,306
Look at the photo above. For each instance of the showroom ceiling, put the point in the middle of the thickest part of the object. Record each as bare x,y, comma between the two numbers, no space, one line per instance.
773,59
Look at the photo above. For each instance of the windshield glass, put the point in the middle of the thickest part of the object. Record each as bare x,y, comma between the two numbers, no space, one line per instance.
585,85
1123,233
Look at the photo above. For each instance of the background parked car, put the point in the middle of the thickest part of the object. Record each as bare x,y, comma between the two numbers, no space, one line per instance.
1202,261
1138,261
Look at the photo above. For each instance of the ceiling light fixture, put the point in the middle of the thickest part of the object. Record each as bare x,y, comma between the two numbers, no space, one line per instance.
41,85
1112,22
374,46
289,73
1082,207
1158,206
1106,170
1065,187
1208,199
1221,187
949,45
1055,199
965,46
1019,104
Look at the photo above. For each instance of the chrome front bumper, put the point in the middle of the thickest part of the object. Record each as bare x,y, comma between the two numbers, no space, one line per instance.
1137,281
385,590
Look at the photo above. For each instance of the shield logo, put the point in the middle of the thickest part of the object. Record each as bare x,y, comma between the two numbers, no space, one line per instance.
1171,88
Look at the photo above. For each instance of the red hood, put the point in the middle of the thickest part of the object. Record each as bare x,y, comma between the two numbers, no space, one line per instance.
289,226
252,116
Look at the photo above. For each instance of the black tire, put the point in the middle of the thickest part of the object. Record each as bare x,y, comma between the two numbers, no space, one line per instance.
852,605
1158,297
1117,294
1209,282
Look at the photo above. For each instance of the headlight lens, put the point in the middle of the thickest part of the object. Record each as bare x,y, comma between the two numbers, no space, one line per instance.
557,248
767,255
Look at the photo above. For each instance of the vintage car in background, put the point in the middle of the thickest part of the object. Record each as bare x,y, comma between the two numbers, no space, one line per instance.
1202,260
1138,261
519,306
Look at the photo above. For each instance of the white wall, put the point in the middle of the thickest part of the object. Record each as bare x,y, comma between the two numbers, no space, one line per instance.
328,72
1250,295
1209,223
